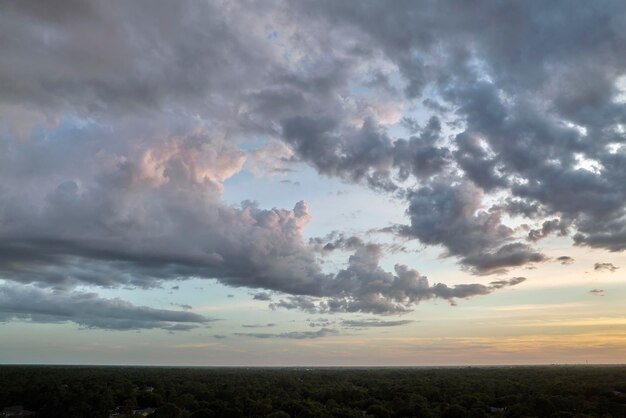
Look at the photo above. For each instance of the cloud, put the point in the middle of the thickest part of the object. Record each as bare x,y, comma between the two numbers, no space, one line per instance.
258,325
295,335
320,322
452,216
548,227
524,129
336,240
363,286
498,284
600,235
565,260
89,310
373,323
509,255
605,267
597,292
182,305
143,214
88,76
305,303
265,296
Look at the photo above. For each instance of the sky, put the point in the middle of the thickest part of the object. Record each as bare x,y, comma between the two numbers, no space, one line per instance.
312,183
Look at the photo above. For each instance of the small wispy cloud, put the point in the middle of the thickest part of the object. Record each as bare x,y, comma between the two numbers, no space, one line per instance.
264,296
605,267
374,323
295,335
565,260
268,325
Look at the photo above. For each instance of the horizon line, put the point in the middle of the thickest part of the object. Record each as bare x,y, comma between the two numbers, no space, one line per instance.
313,367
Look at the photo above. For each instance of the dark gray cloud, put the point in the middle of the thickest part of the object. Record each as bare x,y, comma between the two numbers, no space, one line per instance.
547,228
336,240
528,127
598,234
605,267
452,216
509,255
305,303
523,208
565,260
211,247
89,310
420,156
363,286
295,335
498,284
265,296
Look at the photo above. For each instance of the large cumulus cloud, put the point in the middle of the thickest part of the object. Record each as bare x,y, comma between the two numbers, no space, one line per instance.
134,213
534,92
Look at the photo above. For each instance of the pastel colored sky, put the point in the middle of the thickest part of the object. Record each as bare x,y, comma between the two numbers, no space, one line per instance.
274,183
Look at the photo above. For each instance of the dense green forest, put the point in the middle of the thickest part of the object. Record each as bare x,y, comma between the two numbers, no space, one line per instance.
558,391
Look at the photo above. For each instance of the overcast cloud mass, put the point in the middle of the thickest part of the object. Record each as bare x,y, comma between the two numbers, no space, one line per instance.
497,125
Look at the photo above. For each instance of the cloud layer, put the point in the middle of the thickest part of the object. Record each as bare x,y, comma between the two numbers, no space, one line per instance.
89,310
123,121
